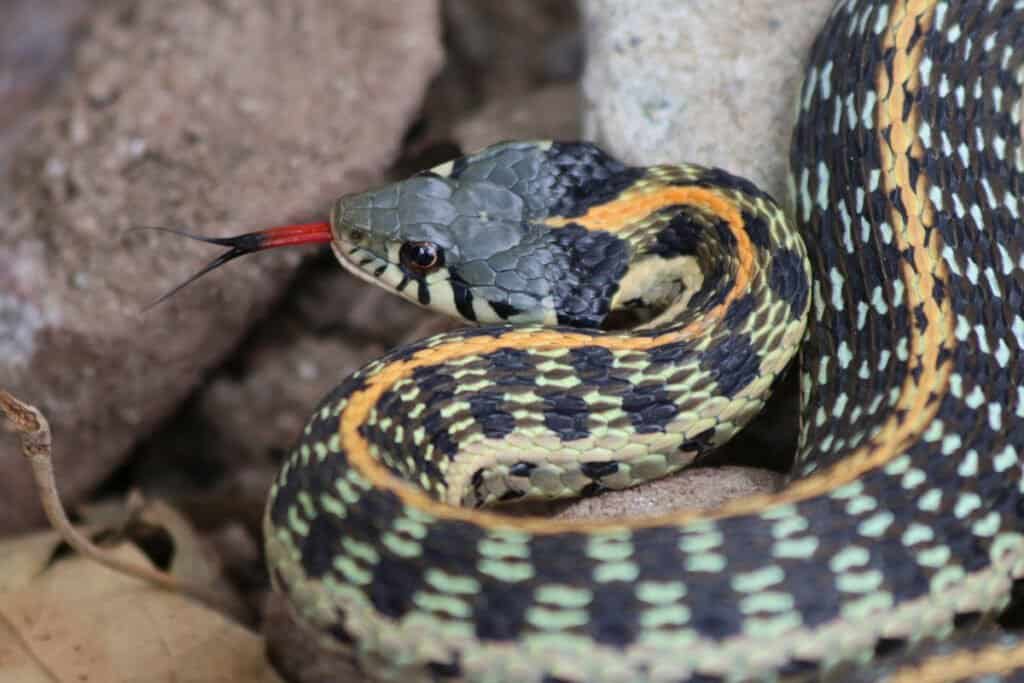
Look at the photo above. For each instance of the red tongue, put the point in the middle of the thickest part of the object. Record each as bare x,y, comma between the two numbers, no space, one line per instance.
290,235
271,238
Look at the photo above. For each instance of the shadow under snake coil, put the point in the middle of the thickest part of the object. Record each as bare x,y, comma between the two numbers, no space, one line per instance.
634,318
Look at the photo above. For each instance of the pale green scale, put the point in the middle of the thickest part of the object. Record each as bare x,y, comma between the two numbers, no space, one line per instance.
346,490
561,595
765,627
767,601
563,383
610,547
352,572
858,505
706,562
446,604
306,502
859,582
987,525
295,521
946,578
934,557
660,592
333,505
758,580
512,572
967,503
849,557
664,615
556,619
876,525
402,547
1005,459
414,528
796,548
448,583
917,533
930,501
788,526
864,607
360,550
607,572
701,542
913,478
784,511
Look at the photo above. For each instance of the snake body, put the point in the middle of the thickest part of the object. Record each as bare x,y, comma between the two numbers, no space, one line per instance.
635,318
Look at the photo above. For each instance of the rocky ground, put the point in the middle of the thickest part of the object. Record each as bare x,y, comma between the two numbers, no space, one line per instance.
228,116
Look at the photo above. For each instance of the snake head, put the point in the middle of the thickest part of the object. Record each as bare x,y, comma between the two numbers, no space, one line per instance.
469,238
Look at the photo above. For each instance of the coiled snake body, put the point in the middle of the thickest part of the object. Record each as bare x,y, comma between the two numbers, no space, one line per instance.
635,318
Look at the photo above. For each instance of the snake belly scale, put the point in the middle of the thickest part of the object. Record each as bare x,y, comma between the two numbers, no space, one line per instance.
635,318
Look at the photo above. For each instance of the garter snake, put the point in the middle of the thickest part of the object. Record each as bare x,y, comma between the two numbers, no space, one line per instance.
634,318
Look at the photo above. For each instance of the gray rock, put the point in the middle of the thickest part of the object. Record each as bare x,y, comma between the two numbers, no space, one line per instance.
713,83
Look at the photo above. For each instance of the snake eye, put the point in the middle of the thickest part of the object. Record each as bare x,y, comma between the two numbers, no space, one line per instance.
422,257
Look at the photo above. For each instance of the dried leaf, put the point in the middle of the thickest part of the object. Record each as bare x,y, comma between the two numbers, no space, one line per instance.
75,621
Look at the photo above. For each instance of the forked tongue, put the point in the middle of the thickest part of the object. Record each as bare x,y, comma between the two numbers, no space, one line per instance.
240,245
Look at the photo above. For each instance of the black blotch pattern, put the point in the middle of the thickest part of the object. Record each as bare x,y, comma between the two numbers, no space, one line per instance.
578,175
322,544
566,414
462,296
682,234
650,408
302,479
338,631
521,469
486,408
614,614
499,610
757,229
395,581
788,280
511,367
443,670
733,363
504,310
556,557
459,166
718,178
596,470
670,353
739,311
700,443
585,273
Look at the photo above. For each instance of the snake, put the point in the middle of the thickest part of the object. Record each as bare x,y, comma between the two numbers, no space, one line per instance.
627,320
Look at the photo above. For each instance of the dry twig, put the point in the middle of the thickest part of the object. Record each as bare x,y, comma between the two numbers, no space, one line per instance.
36,444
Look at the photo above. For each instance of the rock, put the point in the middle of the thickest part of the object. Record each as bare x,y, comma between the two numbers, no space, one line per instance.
220,116
670,81
695,489
548,113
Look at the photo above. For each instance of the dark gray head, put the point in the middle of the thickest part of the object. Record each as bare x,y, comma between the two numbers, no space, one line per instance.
469,238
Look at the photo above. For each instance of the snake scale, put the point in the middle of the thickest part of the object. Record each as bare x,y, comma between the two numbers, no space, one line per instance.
632,319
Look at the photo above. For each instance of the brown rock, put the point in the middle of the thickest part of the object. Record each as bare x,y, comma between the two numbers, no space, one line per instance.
695,489
226,116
